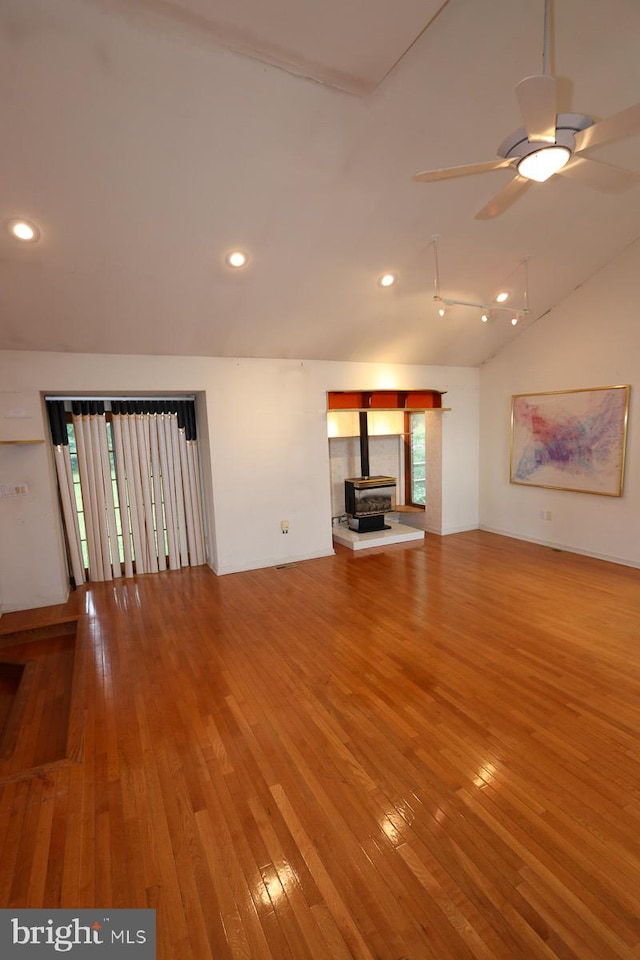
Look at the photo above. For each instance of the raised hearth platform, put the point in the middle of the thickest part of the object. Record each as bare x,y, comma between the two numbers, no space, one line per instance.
397,533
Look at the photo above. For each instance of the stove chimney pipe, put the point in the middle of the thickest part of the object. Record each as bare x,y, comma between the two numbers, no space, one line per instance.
364,444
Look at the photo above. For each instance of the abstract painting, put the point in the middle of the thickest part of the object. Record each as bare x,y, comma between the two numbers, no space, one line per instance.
571,440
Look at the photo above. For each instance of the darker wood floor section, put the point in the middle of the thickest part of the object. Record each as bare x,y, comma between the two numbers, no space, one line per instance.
426,752
41,696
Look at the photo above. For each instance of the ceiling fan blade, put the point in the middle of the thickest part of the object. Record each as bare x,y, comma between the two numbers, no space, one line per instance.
620,125
503,199
600,176
429,176
538,105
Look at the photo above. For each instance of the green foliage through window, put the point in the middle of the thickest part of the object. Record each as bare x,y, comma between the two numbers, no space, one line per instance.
418,465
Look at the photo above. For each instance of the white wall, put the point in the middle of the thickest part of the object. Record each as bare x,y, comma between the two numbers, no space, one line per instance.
590,340
264,449
27,537
32,572
433,510
460,451
269,462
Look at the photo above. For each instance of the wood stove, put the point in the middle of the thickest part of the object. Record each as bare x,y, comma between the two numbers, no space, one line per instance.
367,499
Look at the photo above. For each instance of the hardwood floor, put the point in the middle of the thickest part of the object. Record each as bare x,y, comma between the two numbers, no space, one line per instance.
426,752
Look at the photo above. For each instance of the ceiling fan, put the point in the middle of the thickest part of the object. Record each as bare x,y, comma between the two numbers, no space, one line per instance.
550,143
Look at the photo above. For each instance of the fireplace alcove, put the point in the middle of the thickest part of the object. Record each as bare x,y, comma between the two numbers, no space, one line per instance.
364,421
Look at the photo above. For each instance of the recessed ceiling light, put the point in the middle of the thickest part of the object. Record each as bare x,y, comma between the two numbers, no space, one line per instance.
23,230
502,297
387,279
236,259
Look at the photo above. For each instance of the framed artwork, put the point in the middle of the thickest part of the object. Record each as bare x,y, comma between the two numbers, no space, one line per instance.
570,440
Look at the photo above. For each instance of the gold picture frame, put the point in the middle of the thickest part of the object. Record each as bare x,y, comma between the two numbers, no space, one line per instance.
570,439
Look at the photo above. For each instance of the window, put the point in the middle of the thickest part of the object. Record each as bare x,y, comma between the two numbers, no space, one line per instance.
75,469
415,459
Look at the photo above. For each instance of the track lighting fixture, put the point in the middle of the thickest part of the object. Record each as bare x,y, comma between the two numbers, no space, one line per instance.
486,308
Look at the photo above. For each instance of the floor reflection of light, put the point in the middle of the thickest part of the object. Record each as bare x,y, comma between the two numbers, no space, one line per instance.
275,884
94,643
390,830
98,650
485,775
395,820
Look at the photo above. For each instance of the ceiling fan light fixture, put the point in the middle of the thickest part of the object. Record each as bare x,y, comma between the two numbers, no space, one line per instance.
485,317
546,142
543,163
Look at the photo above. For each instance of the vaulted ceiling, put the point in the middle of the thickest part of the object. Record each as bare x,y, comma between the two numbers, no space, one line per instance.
146,138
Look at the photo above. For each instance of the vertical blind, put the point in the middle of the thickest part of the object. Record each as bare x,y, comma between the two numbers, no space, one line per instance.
154,469
64,471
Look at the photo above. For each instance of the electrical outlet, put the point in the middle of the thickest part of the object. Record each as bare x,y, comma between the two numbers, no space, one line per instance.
548,515
284,526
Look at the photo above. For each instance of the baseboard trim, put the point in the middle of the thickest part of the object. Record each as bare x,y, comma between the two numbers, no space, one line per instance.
32,604
223,569
566,548
440,532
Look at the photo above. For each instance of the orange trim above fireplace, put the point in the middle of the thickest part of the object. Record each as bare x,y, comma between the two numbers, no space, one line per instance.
384,399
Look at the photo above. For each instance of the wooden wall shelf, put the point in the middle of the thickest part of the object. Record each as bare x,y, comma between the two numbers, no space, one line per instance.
385,399
15,442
